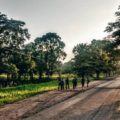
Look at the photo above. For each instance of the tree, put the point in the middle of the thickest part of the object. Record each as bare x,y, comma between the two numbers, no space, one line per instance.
40,63
96,57
99,56
114,29
67,67
12,38
12,33
51,49
29,50
82,60
114,57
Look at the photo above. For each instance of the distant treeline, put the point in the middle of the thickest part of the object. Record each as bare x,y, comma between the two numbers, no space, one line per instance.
45,53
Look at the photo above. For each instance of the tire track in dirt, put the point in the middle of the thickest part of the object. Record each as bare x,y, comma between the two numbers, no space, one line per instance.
59,110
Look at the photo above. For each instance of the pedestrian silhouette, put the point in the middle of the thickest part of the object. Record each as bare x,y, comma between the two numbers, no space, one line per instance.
59,83
83,83
74,83
67,83
88,82
62,84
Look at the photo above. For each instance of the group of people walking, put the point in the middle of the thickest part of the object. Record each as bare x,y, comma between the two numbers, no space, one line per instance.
65,84
62,84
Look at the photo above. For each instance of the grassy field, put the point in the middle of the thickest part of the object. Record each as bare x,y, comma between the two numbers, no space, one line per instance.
12,94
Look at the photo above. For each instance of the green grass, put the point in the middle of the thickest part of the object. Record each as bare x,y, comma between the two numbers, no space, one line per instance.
3,76
12,94
54,76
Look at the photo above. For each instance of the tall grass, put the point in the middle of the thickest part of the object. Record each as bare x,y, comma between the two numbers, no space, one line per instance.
12,94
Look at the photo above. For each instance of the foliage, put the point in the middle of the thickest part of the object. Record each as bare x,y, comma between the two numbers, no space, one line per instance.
12,38
82,59
44,56
12,94
114,29
51,50
96,57
67,67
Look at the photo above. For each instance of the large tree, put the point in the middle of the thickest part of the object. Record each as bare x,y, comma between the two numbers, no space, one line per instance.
67,67
51,50
13,34
99,56
114,29
82,60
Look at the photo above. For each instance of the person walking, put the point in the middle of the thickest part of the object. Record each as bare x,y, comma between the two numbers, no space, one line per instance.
88,81
74,83
59,83
62,84
67,83
83,83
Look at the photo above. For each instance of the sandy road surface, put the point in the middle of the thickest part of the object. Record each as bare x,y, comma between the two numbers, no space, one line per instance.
99,103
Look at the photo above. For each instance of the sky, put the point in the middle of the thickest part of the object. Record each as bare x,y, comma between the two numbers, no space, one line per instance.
75,21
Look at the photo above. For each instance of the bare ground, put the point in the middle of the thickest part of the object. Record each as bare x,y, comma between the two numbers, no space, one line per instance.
100,101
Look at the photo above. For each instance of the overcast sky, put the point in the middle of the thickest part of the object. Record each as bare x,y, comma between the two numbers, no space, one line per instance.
75,21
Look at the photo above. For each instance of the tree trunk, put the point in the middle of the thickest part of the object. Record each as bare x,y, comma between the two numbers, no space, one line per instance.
40,76
109,73
31,76
8,76
19,79
83,80
97,75
48,74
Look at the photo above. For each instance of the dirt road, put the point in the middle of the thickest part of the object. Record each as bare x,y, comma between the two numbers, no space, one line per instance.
101,102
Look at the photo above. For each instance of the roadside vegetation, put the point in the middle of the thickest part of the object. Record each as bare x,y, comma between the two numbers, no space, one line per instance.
12,94
16,93
20,92
32,68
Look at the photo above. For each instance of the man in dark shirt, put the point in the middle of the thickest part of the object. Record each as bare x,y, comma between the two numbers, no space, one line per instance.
74,83
67,83
83,83
59,83
62,84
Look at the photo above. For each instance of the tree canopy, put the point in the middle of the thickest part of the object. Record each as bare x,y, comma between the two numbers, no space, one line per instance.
44,56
